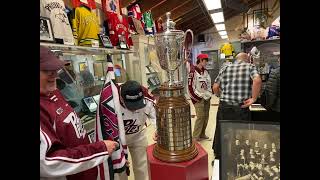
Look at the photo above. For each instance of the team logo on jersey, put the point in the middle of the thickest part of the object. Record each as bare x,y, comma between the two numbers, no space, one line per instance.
130,126
77,125
59,110
203,85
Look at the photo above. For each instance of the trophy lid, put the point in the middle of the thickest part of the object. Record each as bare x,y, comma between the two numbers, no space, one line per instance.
169,27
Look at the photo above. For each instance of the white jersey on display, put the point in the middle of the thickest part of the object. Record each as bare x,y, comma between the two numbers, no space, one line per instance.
55,11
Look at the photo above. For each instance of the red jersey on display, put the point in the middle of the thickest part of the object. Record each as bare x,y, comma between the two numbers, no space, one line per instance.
118,25
90,3
65,149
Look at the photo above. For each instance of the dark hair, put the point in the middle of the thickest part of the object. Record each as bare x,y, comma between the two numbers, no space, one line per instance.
199,59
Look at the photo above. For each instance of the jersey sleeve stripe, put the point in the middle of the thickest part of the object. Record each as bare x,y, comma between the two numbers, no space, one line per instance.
70,160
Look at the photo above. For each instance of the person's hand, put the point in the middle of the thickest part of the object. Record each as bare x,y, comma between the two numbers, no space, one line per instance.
248,103
111,146
155,136
128,164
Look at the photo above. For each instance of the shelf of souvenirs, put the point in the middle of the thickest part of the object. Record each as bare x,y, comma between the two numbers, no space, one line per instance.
84,50
263,40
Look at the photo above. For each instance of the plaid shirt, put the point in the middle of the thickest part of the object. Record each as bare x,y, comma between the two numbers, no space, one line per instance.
235,81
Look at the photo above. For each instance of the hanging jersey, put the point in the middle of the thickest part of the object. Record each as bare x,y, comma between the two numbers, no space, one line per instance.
55,10
110,6
89,3
85,27
118,25
159,25
148,23
135,12
227,49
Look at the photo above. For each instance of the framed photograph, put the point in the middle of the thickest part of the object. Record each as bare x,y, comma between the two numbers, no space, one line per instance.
105,40
98,69
46,32
250,150
90,103
82,66
259,18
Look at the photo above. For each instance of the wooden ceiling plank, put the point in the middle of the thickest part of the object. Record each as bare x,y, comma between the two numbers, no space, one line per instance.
166,7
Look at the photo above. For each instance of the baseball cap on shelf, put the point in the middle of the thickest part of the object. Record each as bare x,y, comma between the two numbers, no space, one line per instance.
202,56
48,61
132,94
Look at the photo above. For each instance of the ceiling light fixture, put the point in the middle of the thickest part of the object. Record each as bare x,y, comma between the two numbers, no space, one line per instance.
222,33
217,17
220,27
224,37
212,4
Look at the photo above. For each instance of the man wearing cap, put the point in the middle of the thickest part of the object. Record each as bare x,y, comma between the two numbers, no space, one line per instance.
136,106
65,150
238,85
199,90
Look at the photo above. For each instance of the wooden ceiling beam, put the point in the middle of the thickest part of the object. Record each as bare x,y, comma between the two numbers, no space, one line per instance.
192,15
167,7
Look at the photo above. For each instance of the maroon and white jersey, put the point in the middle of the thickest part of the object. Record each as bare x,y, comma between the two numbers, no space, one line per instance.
118,25
134,121
65,150
199,83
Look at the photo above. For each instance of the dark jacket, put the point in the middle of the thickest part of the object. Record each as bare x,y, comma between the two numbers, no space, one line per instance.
273,90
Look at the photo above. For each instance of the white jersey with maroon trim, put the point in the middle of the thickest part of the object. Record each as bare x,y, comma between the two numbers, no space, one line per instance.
65,149
135,120
55,10
199,83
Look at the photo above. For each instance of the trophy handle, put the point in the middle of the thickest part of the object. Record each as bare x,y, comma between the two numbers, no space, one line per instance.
185,36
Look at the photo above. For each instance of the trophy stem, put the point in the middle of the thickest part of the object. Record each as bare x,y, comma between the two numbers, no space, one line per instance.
171,78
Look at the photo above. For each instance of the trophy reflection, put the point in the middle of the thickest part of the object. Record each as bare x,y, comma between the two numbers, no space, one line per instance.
174,142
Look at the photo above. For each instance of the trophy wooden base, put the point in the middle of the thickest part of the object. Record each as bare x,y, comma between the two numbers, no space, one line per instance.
175,156
195,169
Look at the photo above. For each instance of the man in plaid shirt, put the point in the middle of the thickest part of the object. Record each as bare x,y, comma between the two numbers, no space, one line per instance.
238,85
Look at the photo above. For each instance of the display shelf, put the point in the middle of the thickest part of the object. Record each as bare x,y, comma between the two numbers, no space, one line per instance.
83,50
266,40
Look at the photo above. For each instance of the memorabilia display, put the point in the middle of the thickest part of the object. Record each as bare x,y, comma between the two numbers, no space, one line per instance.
110,6
98,69
85,26
118,25
122,42
46,33
55,10
90,103
227,49
251,150
105,41
174,143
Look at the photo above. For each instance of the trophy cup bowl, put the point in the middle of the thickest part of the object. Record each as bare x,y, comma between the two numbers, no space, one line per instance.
174,143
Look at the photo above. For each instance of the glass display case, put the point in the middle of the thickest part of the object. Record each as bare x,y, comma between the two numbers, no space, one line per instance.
83,76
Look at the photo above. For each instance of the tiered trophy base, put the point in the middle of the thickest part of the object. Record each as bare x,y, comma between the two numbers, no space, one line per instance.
175,156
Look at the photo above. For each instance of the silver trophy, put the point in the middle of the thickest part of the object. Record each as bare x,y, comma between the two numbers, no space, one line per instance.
169,46
174,143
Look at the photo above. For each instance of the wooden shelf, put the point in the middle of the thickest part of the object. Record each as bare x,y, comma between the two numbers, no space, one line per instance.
266,40
83,50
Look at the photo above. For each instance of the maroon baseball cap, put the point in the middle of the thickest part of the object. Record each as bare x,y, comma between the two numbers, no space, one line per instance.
48,61
202,56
